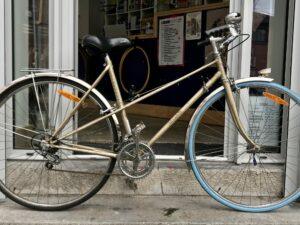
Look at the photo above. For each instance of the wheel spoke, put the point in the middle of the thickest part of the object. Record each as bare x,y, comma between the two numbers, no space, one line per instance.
243,177
45,177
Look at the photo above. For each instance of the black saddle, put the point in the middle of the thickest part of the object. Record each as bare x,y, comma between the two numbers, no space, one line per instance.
100,45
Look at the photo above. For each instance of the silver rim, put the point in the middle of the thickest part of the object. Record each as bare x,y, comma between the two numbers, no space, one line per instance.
230,170
29,176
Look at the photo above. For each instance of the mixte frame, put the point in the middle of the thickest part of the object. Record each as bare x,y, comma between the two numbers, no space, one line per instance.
121,106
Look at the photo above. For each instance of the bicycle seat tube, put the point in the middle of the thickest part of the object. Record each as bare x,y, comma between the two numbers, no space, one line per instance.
117,92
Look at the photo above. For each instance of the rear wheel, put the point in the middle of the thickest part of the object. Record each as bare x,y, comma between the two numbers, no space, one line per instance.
44,178
228,168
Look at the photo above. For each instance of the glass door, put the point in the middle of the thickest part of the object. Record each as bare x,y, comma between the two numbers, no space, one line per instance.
267,22
270,22
37,34
269,41
42,39
30,35
30,51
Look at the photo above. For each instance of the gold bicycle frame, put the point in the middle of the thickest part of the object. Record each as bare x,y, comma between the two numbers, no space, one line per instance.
121,107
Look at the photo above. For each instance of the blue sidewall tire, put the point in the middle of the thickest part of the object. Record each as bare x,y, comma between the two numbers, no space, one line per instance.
198,174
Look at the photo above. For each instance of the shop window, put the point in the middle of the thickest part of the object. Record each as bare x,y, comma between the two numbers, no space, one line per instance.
139,20
30,50
31,28
269,37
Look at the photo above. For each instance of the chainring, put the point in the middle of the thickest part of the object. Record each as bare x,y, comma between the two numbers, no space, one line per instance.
136,163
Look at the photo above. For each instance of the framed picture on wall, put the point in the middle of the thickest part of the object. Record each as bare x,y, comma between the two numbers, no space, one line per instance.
193,26
215,18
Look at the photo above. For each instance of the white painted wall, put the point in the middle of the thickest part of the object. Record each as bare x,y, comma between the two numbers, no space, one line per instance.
239,67
2,83
2,44
296,50
293,174
62,35
63,38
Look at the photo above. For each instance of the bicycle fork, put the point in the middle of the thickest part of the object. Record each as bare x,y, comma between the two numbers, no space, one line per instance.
233,107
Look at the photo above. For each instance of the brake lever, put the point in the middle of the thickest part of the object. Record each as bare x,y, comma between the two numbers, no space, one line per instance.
203,43
228,42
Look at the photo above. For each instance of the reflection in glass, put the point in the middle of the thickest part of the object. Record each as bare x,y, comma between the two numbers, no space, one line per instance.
31,50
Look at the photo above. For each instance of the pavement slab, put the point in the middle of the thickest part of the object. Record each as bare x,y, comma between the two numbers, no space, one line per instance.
156,210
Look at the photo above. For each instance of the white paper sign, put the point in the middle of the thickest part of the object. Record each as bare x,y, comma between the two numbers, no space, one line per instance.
266,118
266,7
171,41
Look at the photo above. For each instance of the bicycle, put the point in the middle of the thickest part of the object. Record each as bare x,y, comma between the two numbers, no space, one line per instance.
238,147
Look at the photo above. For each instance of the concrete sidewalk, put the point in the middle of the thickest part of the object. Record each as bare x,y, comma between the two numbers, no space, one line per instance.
132,210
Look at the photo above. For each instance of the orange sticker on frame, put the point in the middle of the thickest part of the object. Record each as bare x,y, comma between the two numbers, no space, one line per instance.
69,95
276,99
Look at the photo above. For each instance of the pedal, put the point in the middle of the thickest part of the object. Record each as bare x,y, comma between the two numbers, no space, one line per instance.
138,129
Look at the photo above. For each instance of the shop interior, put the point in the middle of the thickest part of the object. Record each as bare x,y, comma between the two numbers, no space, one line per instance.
141,69
151,61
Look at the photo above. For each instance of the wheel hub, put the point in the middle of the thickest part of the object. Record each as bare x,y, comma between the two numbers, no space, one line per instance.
253,150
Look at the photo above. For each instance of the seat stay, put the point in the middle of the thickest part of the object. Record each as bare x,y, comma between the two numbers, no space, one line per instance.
67,119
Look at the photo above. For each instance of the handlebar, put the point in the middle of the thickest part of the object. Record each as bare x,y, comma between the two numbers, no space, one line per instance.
203,43
218,31
221,37
226,34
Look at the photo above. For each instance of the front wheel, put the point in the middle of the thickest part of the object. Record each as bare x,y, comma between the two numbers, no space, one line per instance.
36,175
231,171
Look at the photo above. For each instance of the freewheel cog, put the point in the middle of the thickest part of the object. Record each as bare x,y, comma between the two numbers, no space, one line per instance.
136,161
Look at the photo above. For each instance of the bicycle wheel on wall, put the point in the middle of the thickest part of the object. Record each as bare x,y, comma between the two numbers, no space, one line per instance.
228,168
44,178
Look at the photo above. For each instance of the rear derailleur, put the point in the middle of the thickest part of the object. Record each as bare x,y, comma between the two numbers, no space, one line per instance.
39,144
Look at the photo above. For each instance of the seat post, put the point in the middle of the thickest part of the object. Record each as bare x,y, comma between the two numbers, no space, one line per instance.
117,92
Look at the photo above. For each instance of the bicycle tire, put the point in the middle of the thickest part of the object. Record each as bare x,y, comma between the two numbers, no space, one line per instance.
213,188
18,85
